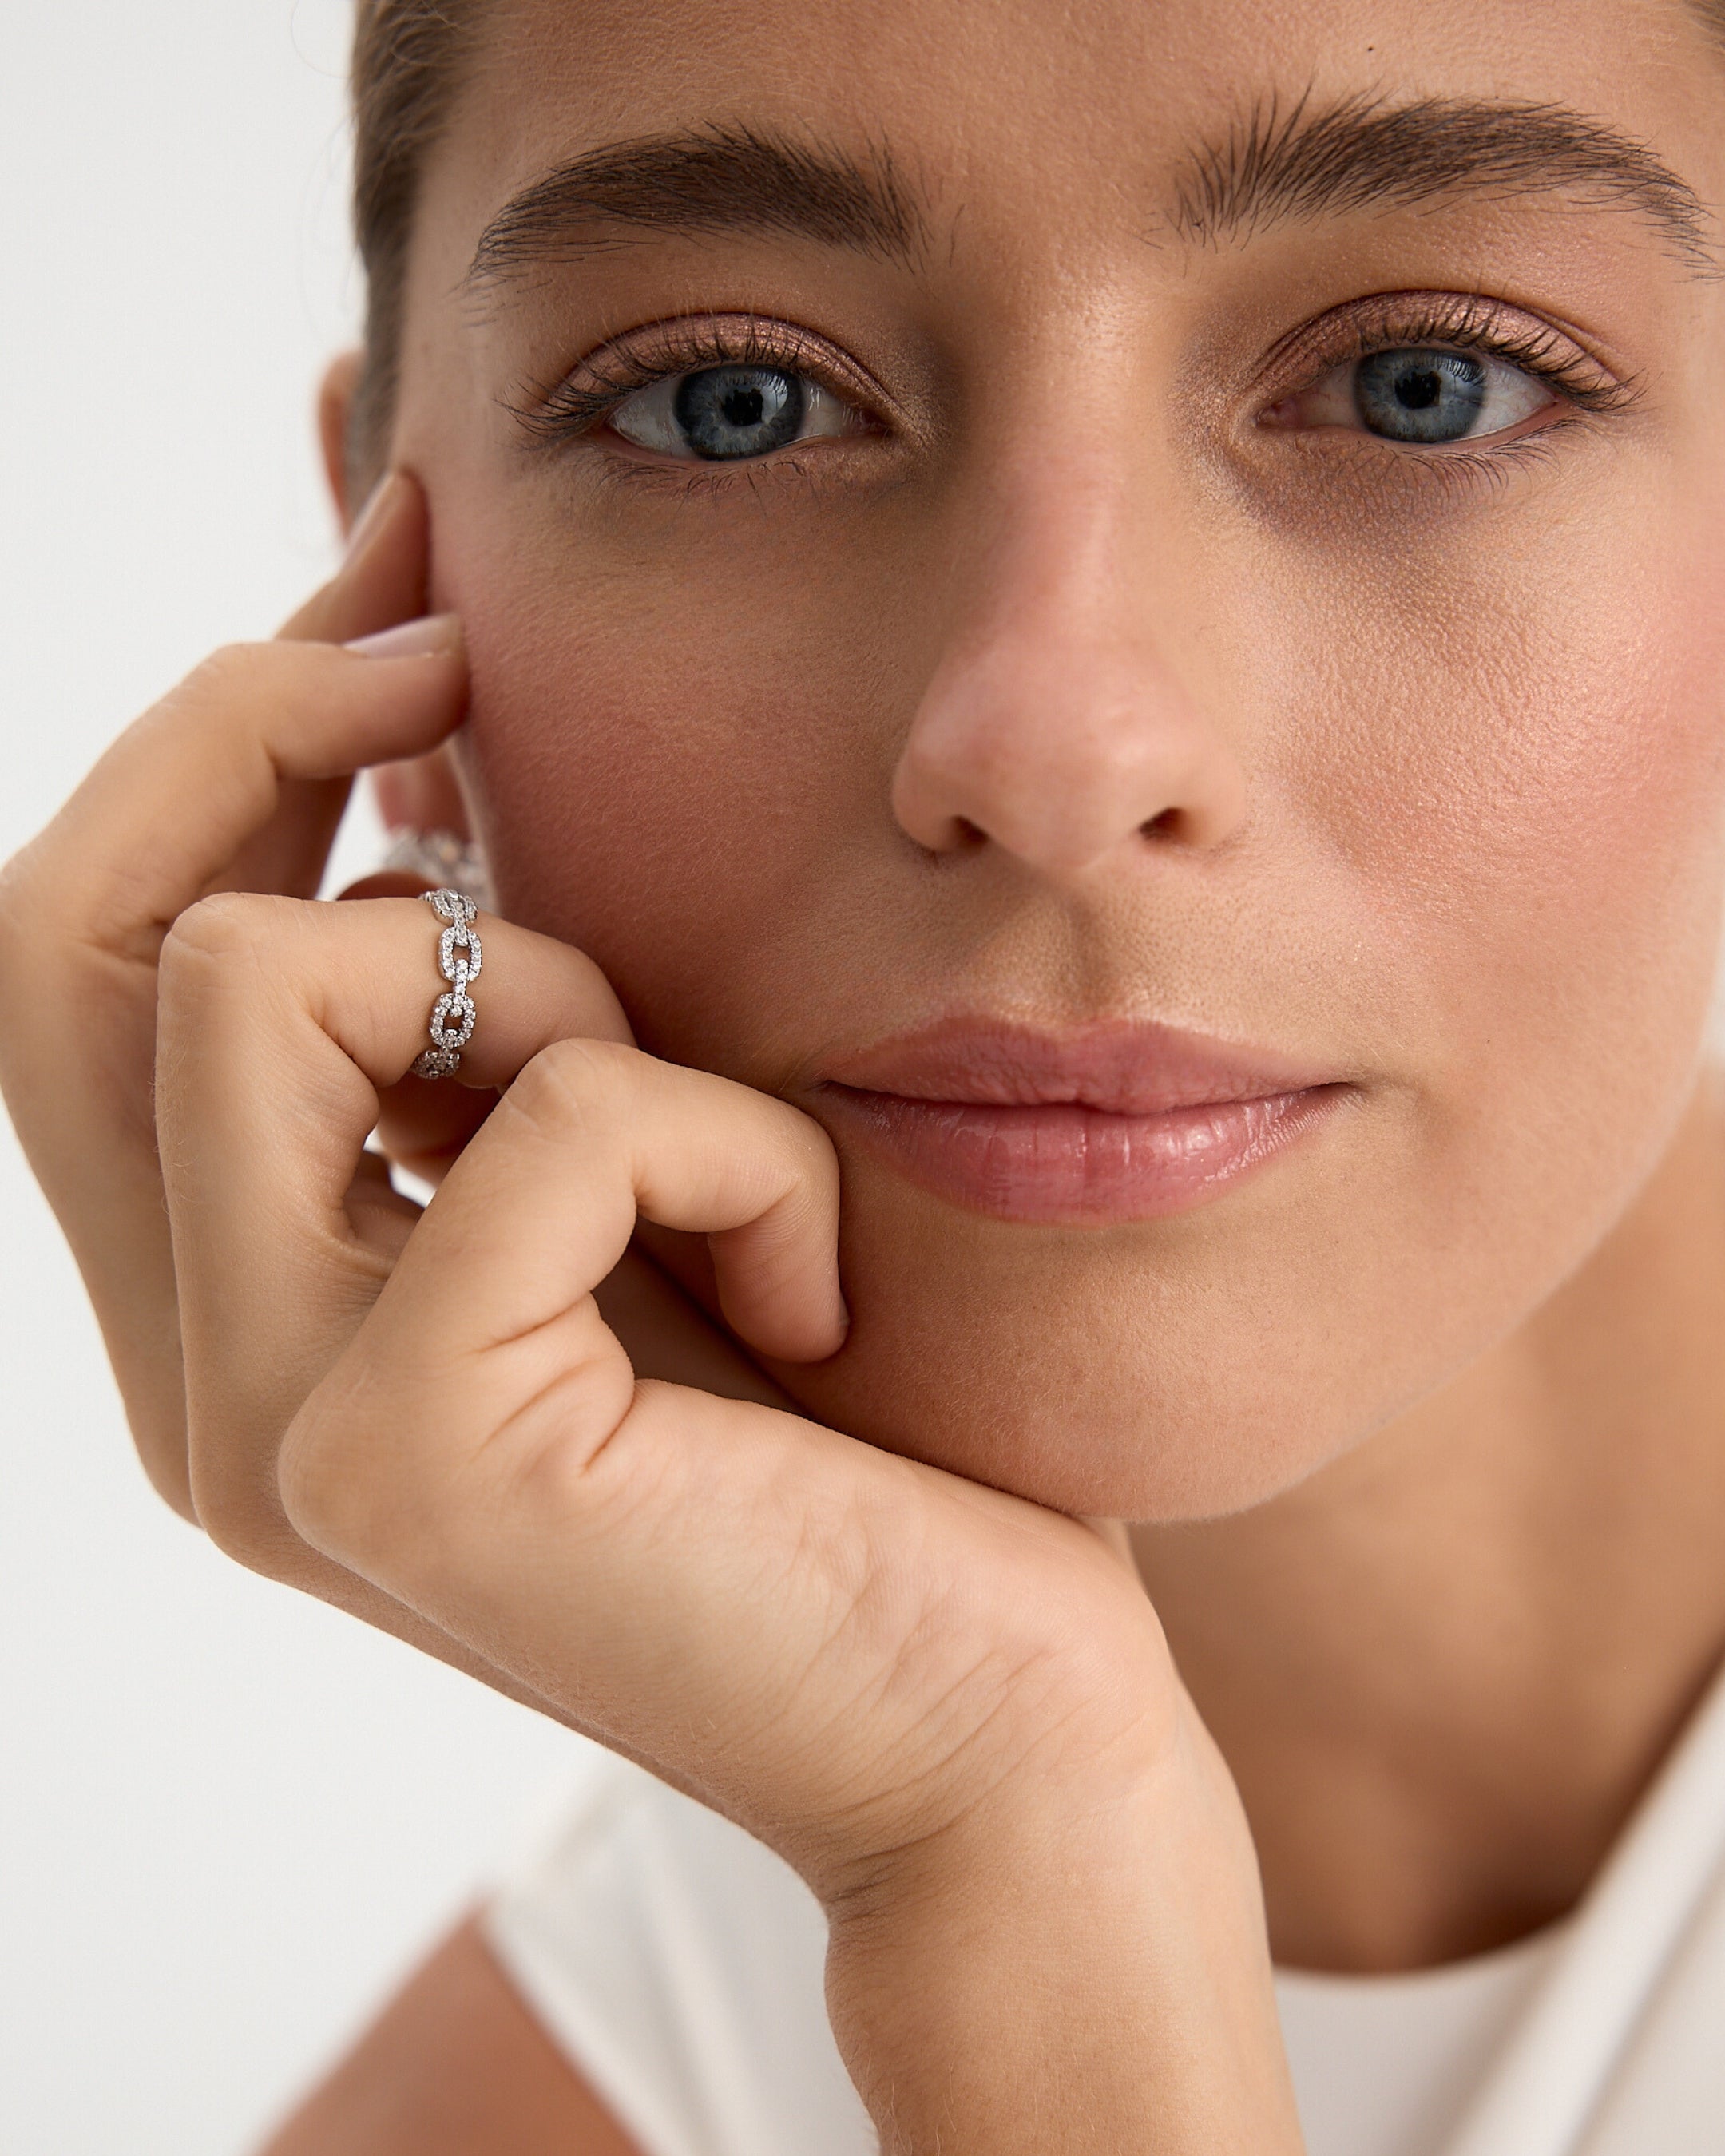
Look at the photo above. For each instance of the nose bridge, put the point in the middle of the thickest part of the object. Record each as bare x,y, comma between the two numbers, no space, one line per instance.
1057,725
1058,566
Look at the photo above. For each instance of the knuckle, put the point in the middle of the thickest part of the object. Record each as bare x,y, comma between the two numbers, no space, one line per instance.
238,679
41,888
20,917
225,1523
313,1498
225,681
159,1440
239,1498
228,925
573,1088
231,670
221,959
326,1496
230,1512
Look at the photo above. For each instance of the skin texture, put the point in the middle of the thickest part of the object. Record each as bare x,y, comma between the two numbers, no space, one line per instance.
1441,753
1093,680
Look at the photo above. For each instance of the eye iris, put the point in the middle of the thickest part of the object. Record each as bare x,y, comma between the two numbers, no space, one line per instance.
740,411
1420,396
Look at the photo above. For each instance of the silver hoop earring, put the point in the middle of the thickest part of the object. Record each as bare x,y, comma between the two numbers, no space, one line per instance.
441,857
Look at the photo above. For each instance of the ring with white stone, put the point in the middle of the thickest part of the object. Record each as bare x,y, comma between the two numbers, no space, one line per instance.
459,958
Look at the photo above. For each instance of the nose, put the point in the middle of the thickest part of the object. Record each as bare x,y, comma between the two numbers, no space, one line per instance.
1056,727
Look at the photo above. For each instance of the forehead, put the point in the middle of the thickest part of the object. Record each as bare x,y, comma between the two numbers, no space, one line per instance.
1077,109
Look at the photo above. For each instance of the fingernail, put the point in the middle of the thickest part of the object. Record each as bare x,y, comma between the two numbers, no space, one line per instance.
365,525
432,637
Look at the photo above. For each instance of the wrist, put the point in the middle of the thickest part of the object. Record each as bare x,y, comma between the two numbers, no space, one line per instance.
1070,1970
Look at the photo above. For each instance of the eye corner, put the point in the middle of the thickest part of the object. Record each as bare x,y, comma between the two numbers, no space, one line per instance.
547,415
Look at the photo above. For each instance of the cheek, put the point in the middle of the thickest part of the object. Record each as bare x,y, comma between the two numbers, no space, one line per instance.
670,770
1531,800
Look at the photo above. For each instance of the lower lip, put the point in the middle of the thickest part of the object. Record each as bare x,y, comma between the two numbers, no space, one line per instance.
1074,1165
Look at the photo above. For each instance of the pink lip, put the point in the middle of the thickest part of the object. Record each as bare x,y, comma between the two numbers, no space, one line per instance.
1109,1122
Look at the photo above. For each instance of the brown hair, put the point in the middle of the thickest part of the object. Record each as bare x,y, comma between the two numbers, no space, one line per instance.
408,59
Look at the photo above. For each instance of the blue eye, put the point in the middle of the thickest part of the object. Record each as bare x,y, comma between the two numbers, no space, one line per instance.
1421,396
739,411
726,414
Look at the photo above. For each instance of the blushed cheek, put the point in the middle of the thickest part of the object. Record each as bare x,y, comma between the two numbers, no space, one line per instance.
672,782
1534,795
612,837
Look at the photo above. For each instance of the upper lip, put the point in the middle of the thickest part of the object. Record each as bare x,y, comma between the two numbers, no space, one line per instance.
1119,1066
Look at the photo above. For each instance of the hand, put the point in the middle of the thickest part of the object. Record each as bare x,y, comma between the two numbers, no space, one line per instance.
236,781
952,1711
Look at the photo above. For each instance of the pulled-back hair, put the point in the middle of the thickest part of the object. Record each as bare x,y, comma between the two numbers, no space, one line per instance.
408,59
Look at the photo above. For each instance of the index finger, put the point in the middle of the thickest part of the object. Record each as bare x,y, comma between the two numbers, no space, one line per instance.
164,815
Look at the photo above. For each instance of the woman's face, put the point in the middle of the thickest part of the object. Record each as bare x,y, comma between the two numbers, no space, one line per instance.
1123,603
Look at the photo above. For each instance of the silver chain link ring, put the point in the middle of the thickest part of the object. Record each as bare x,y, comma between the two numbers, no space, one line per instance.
459,958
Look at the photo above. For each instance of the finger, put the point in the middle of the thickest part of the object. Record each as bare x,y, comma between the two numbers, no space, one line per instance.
383,582
483,1450
543,1204
83,913
209,788
162,816
291,851
423,1126
279,1023
666,1334
382,579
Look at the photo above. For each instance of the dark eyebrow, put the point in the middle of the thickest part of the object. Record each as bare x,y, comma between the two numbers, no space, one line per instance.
707,180
1365,154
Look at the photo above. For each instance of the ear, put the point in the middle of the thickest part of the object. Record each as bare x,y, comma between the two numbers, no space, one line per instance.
335,412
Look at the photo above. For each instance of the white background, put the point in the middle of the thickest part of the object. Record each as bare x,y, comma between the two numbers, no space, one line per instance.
227,1817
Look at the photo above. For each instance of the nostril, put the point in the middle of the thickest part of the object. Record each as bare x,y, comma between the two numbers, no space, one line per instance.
968,834
1169,824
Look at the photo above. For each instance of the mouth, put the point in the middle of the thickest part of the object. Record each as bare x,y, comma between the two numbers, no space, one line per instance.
1101,1124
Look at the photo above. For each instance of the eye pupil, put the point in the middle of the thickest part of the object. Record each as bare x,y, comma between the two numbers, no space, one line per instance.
726,412
1417,391
743,407
1420,396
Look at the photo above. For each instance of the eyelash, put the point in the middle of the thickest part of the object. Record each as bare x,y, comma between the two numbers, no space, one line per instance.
578,404
1459,322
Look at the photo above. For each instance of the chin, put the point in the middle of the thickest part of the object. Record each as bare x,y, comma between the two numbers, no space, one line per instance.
1084,1442
1120,1372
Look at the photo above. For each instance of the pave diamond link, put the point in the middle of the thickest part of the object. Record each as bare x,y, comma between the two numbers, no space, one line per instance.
458,959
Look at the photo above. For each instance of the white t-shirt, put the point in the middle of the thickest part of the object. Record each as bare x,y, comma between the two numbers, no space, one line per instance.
680,1965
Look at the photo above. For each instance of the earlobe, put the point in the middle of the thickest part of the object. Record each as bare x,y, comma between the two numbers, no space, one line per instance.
335,412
